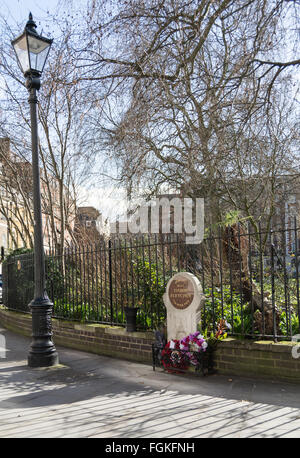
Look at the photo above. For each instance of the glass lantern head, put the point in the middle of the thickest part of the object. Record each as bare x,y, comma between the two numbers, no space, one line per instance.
31,49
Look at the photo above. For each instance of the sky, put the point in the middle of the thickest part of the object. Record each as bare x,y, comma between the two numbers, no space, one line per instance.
17,11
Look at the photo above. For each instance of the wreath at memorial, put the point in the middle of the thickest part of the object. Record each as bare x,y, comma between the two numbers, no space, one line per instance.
180,354
172,358
192,344
193,350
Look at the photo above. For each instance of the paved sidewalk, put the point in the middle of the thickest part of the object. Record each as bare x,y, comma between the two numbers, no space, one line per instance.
95,396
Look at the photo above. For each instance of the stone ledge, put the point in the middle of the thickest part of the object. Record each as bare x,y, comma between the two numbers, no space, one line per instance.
260,345
14,313
93,328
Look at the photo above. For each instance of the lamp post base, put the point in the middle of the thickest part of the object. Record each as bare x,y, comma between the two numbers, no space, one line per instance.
42,351
42,360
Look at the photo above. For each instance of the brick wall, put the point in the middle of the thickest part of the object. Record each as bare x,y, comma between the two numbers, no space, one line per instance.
233,357
95,338
264,359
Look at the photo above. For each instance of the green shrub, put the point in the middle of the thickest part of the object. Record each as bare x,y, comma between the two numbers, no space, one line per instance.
289,325
226,304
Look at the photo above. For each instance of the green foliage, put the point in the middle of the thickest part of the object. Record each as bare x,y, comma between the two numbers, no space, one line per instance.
17,252
282,289
145,291
18,278
289,323
80,312
226,304
152,311
54,275
212,340
231,217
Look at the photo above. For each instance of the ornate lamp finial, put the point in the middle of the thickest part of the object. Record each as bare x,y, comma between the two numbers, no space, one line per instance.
31,25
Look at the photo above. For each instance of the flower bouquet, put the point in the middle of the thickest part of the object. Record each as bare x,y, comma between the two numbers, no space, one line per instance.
180,355
192,353
172,358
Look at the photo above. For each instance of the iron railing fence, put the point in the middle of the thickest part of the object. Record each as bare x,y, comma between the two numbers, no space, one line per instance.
250,279
18,282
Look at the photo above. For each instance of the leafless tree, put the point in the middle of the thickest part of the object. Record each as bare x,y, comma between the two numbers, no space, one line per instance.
64,154
190,104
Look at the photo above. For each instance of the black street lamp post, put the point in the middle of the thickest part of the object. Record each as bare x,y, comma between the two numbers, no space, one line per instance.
32,51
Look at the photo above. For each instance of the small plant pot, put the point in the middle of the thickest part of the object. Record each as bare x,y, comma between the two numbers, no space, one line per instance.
130,315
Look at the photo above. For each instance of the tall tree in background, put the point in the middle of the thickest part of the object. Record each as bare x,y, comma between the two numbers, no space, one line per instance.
190,92
64,156
178,95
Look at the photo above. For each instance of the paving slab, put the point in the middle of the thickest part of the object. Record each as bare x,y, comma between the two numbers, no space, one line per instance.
88,395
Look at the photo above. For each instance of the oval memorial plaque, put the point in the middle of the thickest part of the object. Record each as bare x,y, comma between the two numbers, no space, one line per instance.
181,292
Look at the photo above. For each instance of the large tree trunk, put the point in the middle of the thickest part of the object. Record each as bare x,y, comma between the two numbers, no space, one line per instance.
236,251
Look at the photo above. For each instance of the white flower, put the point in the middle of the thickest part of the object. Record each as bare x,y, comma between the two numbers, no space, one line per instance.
204,345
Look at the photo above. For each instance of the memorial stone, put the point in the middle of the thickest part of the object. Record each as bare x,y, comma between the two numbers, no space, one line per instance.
183,299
